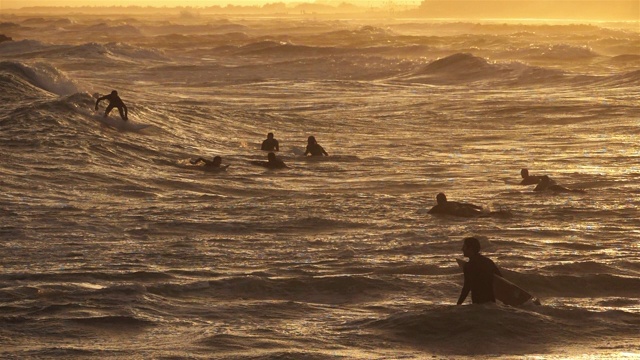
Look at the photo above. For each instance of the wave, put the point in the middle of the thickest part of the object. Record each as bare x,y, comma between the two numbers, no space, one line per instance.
110,51
40,75
531,329
467,68
588,284
117,30
213,28
557,52
631,78
630,58
330,290
23,47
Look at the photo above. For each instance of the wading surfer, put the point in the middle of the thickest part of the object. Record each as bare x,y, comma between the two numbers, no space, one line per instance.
270,144
314,148
478,274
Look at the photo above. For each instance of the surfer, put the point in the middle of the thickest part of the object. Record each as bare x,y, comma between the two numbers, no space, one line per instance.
529,179
270,144
114,101
314,148
454,208
478,274
272,163
547,184
215,164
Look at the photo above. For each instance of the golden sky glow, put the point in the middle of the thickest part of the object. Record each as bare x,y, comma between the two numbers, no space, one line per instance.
14,4
592,9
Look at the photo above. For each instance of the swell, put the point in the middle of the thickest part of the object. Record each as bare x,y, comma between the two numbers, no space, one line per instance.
533,329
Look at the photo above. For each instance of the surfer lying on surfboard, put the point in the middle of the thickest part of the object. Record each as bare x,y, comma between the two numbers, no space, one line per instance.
215,164
454,208
114,101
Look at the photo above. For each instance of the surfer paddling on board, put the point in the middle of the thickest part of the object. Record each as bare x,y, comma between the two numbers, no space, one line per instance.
445,207
478,274
215,164
270,144
114,101
529,179
546,184
314,148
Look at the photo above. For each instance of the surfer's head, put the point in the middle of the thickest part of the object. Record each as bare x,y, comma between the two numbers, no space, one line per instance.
524,173
441,199
470,246
311,140
113,92
270,136
217,160
271,157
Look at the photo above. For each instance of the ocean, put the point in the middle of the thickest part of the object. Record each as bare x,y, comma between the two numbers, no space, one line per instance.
113,246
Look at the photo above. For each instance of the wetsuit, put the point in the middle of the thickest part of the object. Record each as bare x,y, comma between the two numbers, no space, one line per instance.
315,150
456,209
531,180
270,145
478,277
114,101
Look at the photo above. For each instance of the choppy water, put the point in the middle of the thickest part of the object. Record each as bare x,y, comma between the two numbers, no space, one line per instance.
112,247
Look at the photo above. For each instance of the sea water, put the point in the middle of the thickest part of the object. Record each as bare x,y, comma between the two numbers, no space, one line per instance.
114,247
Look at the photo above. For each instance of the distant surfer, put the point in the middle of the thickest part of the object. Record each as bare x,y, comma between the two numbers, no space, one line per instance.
478,274
216,163
546,184
271,163
114,101
270,144
454,208
314,148
529,179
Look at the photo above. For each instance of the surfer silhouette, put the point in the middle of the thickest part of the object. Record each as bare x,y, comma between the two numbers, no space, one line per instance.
270,144
454,208
478,274
272,163
546,184
215,164
114,101
529,179
314,148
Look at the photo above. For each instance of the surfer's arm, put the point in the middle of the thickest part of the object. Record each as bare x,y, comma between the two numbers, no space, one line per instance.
126,115
466,287
198,160
496,271
98,101
471,206
324,152
463,293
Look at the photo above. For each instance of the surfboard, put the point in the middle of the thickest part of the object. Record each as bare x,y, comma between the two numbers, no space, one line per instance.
506,291
297,151
120,124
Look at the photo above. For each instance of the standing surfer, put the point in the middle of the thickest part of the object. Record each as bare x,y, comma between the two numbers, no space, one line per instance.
114,101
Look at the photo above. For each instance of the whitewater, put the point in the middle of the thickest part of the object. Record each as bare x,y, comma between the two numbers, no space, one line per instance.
113,246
